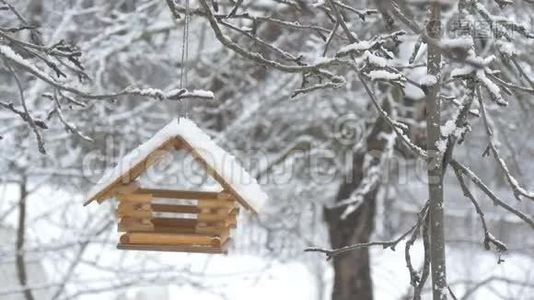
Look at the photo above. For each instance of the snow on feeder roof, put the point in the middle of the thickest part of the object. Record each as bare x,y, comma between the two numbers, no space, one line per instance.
222,166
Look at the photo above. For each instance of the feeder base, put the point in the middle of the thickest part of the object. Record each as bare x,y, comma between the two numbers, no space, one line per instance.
177,248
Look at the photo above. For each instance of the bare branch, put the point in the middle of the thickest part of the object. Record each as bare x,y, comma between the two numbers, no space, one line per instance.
385,244
516,187
27,116
478,182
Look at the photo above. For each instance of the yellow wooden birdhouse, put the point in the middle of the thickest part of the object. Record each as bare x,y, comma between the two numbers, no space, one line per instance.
188,221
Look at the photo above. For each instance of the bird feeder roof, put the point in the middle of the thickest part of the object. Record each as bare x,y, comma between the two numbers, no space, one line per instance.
221,165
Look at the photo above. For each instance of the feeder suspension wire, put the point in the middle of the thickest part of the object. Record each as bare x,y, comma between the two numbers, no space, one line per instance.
185,56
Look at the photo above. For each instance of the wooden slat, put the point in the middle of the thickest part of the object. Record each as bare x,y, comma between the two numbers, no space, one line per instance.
152,238
193,223
175,222
229,222
216,204
132,220
137,198
212,230
126,188
140,214
119,189
213,217
129,227
176,194
219,210
225,196
224,235
206,217
139,227
131,206
233,212
166,229
185,209
191,209
175,248
152,228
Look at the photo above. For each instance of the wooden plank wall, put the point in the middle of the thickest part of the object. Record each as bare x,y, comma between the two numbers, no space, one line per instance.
208,222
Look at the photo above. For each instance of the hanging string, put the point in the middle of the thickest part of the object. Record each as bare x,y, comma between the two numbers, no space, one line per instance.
185,57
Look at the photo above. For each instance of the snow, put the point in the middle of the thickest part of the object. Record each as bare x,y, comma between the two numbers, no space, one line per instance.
149,92
462,42
172,94
475,60
368,57
319,3
7,52
246,274
507,48
201,94
384,75
428,80
223,163
413,92
391,278
375,60
462,71
448,128
320,60
441,145
358,46
493,88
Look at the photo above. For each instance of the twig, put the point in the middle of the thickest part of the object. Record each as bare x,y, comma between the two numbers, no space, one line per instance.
488,237
421,219
385,244
426,262
28,118
235,8
10,106
172,8
393,124
8,54
517,189
70,127
478,182
227,42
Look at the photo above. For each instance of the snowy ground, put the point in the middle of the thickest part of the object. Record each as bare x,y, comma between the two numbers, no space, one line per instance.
464,264
241,276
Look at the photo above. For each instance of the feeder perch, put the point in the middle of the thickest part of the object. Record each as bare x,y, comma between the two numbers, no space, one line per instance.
201,221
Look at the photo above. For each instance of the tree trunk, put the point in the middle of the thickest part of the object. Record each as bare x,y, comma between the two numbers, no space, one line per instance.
21,229
352,270
435,165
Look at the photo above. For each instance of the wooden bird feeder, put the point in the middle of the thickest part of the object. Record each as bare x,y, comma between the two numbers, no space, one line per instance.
201,221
